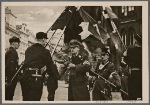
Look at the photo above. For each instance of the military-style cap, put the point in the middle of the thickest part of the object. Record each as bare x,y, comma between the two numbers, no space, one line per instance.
74,43
105,51
41,35
14,39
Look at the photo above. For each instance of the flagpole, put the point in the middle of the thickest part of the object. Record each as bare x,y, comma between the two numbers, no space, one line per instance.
63,32
58,42
50,38
108,82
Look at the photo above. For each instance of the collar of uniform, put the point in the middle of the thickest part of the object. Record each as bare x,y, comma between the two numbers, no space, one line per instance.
37,44
11,48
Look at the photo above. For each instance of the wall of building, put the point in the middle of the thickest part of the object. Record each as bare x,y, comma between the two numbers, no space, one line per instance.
131,22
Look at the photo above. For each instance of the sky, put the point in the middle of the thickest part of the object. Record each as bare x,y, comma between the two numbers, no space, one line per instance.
37,18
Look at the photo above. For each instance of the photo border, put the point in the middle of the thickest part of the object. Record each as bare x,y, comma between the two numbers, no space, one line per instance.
144,47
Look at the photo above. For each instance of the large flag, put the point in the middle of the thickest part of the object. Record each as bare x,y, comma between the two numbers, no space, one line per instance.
98,31
81,26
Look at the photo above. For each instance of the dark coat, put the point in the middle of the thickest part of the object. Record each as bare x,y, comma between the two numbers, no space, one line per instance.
52,85
78,90
36,56
101,89
11,65
124,74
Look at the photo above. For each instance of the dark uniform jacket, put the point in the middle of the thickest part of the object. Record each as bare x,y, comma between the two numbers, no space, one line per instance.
78,90
101,89
11,63
36,56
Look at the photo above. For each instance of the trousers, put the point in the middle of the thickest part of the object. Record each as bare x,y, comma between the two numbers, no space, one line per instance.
32,89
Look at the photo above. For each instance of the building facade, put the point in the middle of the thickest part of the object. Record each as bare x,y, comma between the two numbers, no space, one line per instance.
11,29
131,22
25,35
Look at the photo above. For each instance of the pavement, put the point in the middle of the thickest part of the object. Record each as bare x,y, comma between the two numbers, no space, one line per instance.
60,95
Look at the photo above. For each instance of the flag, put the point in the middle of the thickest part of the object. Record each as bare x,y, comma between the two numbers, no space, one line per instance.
115,37
71,19
102,34
80,26
62,20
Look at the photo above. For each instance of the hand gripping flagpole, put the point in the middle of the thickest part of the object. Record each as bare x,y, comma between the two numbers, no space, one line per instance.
108,81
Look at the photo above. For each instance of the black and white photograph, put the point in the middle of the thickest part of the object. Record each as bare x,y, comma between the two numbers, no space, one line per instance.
75,52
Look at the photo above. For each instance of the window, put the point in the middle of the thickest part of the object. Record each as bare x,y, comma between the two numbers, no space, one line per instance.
132,8
131,37
124,37
124,11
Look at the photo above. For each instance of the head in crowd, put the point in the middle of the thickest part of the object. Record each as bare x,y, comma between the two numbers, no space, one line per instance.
75,46
97,53
105,54
41,38
14,42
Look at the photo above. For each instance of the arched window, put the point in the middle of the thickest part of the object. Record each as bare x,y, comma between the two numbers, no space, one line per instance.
131,36
124,37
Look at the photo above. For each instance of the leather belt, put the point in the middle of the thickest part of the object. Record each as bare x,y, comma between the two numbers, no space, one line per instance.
36,72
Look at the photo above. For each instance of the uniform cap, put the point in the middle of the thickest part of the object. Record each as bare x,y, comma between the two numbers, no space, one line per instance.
14,39
41,35
74,43
105,51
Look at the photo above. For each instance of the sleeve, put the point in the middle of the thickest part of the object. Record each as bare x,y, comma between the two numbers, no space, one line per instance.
82,67
51,68
11,62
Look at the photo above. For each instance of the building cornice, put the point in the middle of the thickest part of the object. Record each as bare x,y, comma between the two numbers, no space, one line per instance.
15,31
24,33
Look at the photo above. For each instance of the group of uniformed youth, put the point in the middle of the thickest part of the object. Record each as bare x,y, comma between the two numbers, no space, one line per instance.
38,63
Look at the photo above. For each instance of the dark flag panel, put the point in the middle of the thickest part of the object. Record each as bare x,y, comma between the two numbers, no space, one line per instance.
73,29
60,23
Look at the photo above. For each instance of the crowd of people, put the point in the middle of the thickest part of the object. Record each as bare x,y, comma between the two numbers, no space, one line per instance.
39,67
